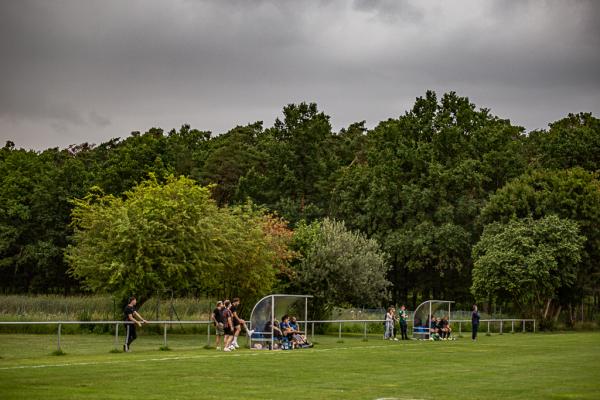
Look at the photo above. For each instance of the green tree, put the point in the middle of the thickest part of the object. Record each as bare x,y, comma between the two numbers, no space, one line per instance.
573,194
339,266
232,155
170,236
35,189
526,262
292,178
573,141
426,176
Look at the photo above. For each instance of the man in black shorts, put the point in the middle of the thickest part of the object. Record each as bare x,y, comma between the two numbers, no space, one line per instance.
237,322
228,326
217,318
130,315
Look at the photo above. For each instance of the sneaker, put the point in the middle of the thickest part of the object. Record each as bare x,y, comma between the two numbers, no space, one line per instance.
218,348
231,348
226,349
237,346
396,339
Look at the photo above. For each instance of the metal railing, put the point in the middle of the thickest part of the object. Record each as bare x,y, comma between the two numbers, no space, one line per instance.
115,323
365,322
501,323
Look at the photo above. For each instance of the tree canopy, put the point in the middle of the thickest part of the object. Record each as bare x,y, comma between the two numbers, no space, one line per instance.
424,186
172,236
527,262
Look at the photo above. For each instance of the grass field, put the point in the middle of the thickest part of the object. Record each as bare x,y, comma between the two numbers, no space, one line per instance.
510,366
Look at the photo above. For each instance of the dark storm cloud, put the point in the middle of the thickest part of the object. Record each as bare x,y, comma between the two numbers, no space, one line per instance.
76,71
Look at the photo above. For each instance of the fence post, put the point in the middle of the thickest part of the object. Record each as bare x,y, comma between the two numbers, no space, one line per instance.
116,336
365,332
534,326
460,328
312,330
208,335
488,327
501,323
523,324
59,328
512,329
340,332
165,334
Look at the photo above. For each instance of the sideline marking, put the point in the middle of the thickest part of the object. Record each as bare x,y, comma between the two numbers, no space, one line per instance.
199,356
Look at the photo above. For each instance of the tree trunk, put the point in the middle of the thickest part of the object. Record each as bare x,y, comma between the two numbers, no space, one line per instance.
557,313
547,308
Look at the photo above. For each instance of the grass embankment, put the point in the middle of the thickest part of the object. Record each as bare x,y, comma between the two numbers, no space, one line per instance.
523,366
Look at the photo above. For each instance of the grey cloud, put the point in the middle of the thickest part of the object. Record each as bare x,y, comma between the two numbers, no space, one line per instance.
391,10
98,119
103,69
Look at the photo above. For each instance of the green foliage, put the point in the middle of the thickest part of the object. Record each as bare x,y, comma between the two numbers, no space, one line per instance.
295,166
170,236
573,141
426,177
34,217
339,266
232,155
526,261
423,185
570,194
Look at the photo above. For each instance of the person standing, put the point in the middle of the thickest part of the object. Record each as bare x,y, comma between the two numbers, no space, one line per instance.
474,322
389,324
134,319
228,326
217,319
403,315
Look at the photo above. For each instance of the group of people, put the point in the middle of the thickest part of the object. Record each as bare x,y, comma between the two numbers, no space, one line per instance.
440,329
289,334
228,324
391,318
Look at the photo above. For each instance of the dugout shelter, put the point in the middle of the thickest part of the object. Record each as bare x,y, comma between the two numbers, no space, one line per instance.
267,312
423,314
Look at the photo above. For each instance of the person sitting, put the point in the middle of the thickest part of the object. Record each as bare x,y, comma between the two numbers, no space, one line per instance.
287,330
433,329
447,328
297,334
440,327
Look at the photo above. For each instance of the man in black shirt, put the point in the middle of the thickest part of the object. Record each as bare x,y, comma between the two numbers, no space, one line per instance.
237,322
474,322
130,315
228,326
217,318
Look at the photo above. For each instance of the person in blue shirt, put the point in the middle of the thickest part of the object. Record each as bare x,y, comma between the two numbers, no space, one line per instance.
298,336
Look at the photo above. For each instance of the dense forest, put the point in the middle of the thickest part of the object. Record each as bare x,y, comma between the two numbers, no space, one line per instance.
464,204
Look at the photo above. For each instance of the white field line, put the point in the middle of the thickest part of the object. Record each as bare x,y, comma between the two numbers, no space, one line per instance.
200,356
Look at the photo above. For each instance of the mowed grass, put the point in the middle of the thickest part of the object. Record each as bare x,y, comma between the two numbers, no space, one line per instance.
510,366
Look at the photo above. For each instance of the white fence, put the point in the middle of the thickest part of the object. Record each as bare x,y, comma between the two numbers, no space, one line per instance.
501,324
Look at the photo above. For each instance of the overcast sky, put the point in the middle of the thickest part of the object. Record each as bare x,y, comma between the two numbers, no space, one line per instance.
87,71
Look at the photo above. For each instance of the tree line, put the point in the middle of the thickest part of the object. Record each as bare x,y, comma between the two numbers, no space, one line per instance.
461,205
